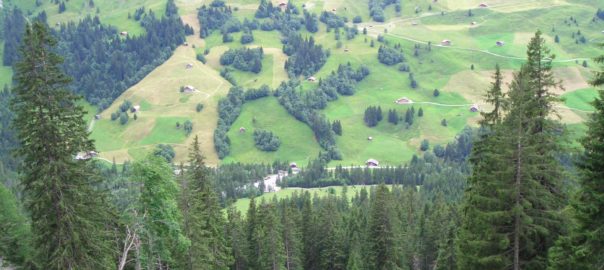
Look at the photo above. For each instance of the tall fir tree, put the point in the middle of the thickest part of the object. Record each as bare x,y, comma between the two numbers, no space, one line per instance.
163,242
583,247
206,229
383,235
71,218
235,232
511,212
496,98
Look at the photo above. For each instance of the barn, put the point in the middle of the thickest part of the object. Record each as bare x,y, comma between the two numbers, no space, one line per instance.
372,163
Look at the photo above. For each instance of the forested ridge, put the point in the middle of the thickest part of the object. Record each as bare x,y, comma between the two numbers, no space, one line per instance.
102,63
506,194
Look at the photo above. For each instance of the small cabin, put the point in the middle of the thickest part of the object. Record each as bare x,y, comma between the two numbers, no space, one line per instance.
241,130
189,66
188,89
346,50
311,79
414,23
124,33
97,117
370,138
403,100
483,5
446,42
500,43
372,163
86,155
283,6
474,108
333,10
135,108
186,44
293,165
473,23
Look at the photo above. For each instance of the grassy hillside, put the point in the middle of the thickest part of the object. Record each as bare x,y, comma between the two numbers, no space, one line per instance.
446,68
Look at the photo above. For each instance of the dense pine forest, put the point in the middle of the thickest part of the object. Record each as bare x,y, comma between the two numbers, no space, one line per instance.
508,193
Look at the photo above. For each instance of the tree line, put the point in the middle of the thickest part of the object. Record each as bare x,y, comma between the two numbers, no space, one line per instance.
244,59
229,109
305,106
102,64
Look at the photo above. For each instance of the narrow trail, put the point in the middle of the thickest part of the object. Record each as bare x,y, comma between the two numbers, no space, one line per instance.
91,125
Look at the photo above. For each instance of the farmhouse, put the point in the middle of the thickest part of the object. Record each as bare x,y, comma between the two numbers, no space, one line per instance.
188,89
372,163
500,43
445,42
86,155
474,108
403,100
294,167
283,6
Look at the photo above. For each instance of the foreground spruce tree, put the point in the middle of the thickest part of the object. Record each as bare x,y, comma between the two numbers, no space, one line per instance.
204,221
162,240
511,206
70,219
584,246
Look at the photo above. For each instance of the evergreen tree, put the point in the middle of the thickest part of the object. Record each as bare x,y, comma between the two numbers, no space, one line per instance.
382,232
235,232
495,97
511,212
337,127
162,240
15,243
583,247
292,239
70,217
330,227
209,248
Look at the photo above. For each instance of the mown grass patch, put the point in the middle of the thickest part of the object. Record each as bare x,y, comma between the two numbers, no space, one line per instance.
297,139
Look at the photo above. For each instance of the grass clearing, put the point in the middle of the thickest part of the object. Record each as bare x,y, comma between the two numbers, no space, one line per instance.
581,99
242,205
297,139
